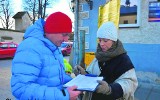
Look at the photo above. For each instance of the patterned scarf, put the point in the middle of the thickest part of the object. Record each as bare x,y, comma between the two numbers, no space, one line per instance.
115,50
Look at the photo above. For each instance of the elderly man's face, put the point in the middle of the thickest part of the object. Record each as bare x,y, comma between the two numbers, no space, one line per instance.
57,39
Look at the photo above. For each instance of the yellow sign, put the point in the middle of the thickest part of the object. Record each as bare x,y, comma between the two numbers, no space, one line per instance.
89,56
109,12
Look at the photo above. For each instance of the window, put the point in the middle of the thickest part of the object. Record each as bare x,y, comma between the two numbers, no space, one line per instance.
4,46
129,13
12,46
125,21
135,21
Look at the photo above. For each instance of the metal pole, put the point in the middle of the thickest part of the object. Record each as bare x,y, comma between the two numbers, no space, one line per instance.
74,56
81,47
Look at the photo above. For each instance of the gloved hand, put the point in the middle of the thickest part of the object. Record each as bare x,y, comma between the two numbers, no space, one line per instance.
103,88
73,95
79,70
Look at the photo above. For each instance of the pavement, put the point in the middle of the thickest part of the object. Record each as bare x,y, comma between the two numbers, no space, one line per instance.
147,90
5,90
148,87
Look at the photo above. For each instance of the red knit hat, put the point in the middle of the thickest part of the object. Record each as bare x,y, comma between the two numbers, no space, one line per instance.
58,22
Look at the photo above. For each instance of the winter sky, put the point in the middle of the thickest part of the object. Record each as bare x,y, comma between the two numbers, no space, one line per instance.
58,5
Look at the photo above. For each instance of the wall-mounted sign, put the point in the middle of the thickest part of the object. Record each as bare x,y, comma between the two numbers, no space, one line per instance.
109,12
154,11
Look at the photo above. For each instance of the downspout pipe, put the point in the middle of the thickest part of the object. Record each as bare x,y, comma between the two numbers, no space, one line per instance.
74,58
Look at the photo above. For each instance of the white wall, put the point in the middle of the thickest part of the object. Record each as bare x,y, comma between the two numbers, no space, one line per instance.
147,33
17,36
26,21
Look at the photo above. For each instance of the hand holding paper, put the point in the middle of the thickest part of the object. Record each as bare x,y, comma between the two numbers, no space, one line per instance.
103,88
73,94
84,83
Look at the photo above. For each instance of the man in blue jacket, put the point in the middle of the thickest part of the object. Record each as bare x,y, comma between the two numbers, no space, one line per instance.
37,68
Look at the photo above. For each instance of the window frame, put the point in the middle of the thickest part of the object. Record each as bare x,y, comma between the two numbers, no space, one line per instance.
138,17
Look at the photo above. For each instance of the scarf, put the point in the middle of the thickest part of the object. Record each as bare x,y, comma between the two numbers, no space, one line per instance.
115,50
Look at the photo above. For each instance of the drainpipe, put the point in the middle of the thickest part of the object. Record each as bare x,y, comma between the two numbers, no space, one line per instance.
74,57
81,48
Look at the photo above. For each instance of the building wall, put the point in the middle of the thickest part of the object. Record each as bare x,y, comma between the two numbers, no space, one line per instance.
22,23
17,37
142,43
88,21
147,33
18,24
26,21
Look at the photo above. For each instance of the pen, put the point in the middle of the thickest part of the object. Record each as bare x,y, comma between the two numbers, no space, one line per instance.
91,75
79,72
64,94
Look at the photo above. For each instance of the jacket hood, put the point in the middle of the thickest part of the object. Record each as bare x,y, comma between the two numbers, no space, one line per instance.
36,30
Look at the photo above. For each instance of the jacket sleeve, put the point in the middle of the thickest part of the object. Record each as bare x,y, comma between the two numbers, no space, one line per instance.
93,67
25,73
128,82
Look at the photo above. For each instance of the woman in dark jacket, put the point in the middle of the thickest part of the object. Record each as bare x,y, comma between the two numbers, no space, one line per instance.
113,63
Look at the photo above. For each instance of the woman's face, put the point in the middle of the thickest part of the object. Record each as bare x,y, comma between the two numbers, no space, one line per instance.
105,44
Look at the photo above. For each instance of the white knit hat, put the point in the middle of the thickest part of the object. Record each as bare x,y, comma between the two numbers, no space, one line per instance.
108,31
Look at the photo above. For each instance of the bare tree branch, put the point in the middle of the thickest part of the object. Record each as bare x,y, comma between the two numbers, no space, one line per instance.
5,14
37,8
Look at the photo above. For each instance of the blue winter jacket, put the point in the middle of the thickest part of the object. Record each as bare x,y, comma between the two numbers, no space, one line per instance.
38,68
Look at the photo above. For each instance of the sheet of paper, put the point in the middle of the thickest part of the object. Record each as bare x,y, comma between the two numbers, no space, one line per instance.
83,82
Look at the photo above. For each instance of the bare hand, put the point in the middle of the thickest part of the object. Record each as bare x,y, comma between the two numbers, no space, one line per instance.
73,93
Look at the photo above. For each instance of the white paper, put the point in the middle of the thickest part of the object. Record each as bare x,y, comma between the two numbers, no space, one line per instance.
83,82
